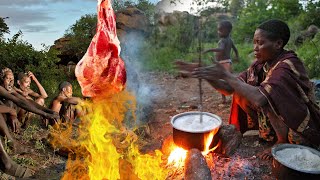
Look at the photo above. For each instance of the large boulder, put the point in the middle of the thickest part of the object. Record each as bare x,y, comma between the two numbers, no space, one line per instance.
164,20
309,33
131,21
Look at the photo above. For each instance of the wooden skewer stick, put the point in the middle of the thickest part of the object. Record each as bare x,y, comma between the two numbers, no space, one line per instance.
200,108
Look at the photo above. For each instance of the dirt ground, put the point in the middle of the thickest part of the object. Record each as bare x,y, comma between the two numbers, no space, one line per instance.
175,95
169,95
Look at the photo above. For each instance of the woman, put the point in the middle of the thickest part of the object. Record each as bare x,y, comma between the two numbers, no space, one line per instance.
274,94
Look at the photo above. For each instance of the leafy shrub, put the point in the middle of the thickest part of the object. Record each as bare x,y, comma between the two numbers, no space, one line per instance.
245,57
160,59
309,52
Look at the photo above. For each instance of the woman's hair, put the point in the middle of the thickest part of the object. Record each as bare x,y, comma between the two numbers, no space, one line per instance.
276,29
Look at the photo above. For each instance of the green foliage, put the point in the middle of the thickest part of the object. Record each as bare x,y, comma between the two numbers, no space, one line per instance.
179,36
245,57
310,15
16,54
7,144
147,7
309,52
80,35
209,30
235,7
20,56
3,27
29,132
120,5
160,59
40,146
144,5
28,161
258,11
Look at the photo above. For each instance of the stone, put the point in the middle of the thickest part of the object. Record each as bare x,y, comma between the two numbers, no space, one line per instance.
309,33
196,166
230,139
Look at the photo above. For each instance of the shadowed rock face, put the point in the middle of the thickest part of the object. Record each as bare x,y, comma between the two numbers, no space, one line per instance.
307,34
131,20
164,20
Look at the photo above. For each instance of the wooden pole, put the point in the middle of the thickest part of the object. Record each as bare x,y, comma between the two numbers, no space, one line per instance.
200,108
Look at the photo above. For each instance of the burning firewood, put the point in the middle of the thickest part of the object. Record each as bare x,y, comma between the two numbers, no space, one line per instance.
196,166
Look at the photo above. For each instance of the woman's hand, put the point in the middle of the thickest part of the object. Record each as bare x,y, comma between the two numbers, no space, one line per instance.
210,73
186,68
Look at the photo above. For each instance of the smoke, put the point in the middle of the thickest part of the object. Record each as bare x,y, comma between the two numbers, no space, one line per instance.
138,82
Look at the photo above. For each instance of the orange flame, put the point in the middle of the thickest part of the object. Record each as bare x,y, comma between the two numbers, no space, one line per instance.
104,148
178,155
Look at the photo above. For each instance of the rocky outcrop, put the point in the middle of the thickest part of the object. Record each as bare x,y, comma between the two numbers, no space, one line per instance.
131,21
307,34
164,20
65,56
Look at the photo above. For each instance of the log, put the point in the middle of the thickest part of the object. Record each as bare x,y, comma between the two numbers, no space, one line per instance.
196,166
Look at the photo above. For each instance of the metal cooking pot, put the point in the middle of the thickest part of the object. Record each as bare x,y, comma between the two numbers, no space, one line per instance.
194,139
282,170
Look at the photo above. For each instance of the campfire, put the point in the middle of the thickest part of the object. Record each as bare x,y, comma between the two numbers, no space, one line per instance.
178,155
103,147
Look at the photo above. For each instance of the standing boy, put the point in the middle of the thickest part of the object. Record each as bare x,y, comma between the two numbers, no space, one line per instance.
223,50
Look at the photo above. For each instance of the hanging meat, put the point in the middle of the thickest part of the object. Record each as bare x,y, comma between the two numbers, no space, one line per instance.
101,70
